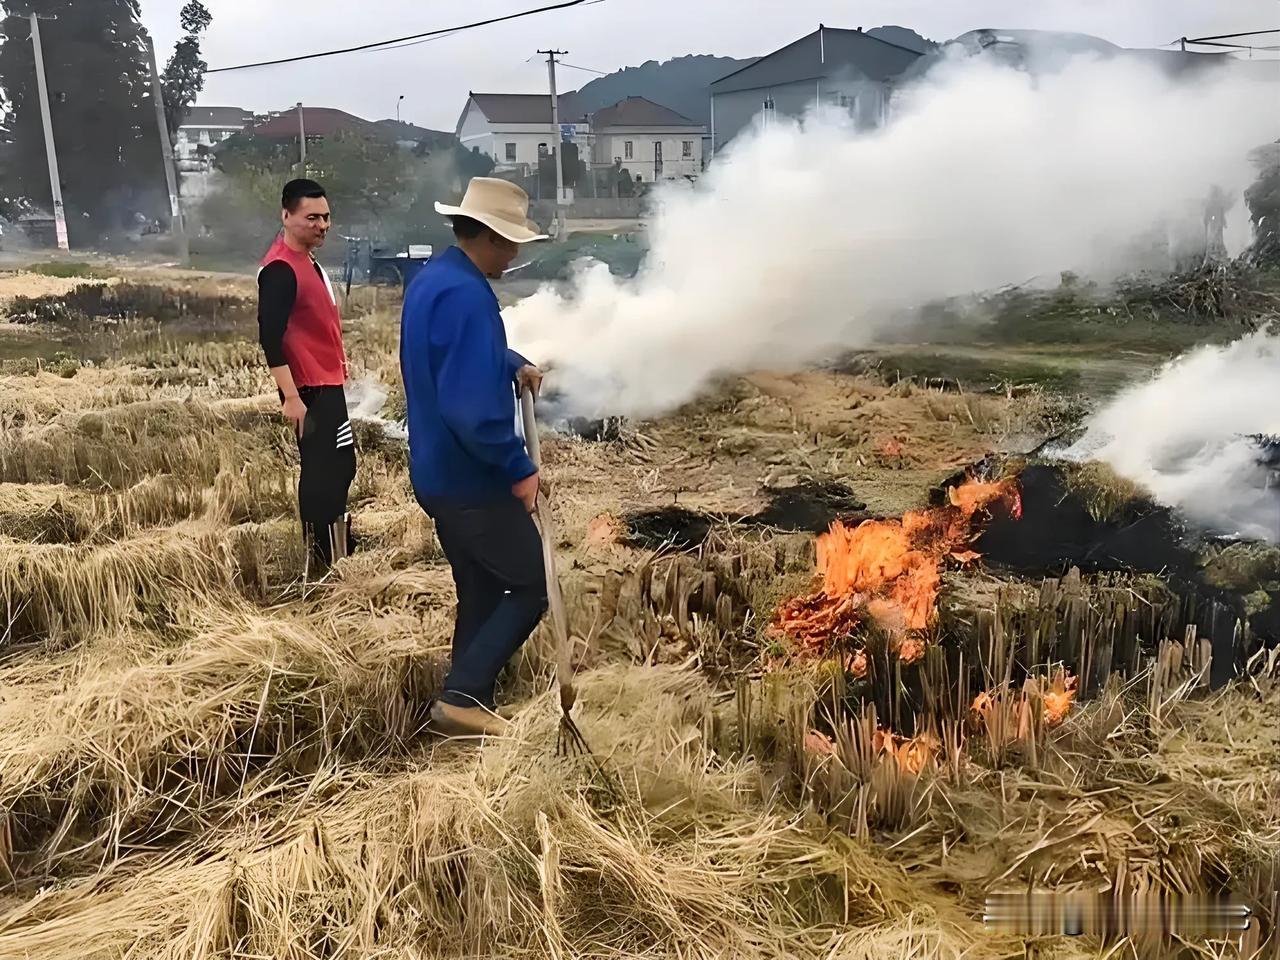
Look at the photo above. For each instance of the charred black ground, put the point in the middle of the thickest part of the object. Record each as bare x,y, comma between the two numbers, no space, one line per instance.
810,506
671,528
807,507
1057,532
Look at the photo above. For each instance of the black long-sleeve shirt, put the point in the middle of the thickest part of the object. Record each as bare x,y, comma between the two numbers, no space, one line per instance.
277,291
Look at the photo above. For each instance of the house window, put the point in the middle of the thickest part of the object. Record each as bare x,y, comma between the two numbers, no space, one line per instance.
511,153
686,149
628,150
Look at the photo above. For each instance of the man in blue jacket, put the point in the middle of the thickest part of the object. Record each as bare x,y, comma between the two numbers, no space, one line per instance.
468,465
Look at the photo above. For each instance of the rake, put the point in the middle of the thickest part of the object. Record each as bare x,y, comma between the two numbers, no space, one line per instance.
570,742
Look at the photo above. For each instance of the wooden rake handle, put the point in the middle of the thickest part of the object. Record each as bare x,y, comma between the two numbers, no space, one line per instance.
555,599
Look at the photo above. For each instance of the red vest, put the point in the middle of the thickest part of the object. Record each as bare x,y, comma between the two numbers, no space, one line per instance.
313,337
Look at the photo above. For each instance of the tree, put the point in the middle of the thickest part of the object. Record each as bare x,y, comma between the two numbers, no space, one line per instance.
103,120
377,190
183,77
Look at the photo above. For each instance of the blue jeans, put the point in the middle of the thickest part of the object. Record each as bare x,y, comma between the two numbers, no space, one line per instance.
496,556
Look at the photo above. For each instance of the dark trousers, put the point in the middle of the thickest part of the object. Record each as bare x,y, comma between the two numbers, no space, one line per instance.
496,556
327,449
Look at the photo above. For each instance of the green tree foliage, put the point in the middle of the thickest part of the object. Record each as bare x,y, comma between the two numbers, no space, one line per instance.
183,77
376,190
103,120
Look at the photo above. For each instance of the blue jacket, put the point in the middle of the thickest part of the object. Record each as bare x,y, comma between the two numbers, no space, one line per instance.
458,383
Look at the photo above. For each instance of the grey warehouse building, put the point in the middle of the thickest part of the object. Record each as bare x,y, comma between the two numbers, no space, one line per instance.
845,68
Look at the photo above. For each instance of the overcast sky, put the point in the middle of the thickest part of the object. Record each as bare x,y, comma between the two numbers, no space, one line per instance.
434,77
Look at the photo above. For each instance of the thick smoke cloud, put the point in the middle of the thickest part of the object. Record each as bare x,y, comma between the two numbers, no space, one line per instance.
1185,436
804,242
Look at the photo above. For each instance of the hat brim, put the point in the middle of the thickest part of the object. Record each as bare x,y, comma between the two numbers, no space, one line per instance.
504,228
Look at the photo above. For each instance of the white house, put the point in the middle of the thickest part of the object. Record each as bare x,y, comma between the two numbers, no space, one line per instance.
205,127
652,141
514,129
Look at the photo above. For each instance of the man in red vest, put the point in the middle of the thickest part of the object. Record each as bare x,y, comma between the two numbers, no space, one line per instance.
301,334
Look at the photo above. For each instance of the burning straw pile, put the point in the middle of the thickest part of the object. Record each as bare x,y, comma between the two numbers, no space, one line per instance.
889,571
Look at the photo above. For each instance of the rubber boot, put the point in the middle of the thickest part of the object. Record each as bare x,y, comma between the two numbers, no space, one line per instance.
342,539
318,544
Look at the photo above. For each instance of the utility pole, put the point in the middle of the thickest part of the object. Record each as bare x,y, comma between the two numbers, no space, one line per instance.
302,140
55,182
558,141
177,224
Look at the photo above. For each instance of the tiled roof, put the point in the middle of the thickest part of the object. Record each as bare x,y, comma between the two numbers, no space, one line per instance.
525,107
319,122
639,112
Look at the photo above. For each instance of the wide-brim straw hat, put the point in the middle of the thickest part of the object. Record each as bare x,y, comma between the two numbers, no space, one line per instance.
500,205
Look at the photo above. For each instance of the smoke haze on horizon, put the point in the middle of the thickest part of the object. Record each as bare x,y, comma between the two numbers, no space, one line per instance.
809,240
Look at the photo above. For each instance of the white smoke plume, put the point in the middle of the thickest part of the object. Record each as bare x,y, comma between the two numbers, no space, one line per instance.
807,241
1185,436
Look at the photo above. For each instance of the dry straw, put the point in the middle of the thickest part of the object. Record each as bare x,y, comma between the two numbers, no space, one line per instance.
505,854
121,747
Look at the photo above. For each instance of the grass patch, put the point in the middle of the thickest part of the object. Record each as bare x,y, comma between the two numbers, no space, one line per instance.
1107,496
938,367
67,270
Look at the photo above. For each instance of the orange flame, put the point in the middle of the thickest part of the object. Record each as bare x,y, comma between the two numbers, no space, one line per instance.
1058,700
889,570
859,666
911,754
911,649
1057,697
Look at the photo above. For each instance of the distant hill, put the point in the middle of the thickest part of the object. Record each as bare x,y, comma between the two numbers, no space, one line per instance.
904,37
680,84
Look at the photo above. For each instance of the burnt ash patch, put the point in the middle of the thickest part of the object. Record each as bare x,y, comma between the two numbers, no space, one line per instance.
1057,532
810,507
807,507
670,527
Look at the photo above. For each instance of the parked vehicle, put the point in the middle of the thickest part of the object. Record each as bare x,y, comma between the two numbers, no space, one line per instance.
367,262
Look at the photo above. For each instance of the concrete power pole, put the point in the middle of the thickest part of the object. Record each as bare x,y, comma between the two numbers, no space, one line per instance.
55,182
558,141
302,141
178,225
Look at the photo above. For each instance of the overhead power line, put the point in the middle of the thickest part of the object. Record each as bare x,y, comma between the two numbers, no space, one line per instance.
1229,46
1233,36
583,69
405,41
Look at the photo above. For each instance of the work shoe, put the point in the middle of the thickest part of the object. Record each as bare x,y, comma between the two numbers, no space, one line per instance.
509,711
451,721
